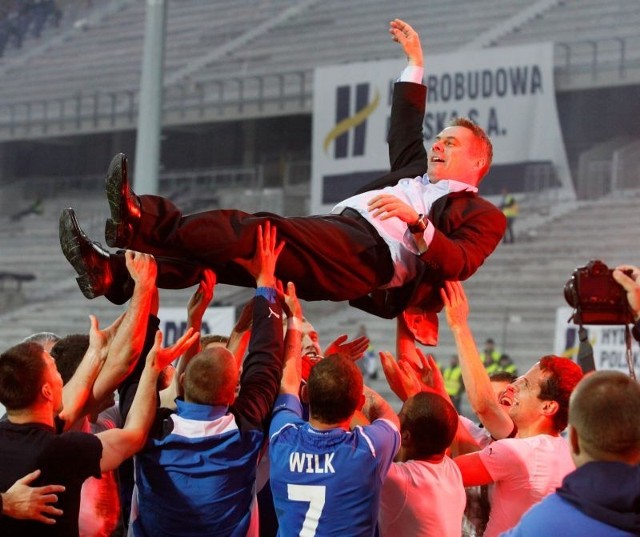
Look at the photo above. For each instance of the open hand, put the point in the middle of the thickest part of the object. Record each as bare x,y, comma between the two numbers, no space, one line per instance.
23,501
263,264
354,349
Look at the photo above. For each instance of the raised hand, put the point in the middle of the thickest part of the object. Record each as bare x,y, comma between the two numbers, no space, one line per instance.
354,349
401,377
101,340
263,264
200,300
455,303
142,267
403,33
429,373
291,304
160,357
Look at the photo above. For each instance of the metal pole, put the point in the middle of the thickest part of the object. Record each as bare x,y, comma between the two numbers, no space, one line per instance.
148,140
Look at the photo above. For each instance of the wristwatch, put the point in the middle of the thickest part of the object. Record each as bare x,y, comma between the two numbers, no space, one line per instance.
419,225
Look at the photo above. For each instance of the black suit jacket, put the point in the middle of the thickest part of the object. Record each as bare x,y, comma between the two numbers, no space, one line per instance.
468,228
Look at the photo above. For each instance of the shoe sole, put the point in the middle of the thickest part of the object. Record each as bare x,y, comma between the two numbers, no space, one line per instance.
113,187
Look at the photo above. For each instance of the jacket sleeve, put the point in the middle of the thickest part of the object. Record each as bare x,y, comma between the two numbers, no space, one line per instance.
262,368
407,154
475,233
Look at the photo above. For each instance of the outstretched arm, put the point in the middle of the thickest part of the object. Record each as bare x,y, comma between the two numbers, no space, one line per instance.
407,155
475,377
124,339
292,369
262,368
241,334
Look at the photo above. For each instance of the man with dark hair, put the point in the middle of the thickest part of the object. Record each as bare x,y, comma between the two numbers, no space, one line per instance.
530,460
334,390
325,478
423,494
601,497
37,405
384,249
68,352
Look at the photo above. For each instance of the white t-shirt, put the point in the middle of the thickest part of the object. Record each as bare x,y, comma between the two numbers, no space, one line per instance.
524,470
421,498
479,434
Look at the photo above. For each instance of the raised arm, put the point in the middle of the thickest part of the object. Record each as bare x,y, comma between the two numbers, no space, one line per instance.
475,377
407,155
120,444
404,34
76,394
241,333
262,368
127,343
292,368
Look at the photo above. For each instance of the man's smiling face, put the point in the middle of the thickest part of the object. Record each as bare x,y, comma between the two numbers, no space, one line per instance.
455,154
521,397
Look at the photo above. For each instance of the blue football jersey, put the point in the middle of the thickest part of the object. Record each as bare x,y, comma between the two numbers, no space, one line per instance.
327,482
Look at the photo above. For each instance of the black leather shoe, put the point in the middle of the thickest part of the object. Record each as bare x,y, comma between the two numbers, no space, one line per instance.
123,204
89,259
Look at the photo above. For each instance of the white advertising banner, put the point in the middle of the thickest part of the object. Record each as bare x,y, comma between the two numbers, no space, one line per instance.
173,322
608,342
509,92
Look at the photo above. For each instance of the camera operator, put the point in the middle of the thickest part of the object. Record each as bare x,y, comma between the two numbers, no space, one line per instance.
628,277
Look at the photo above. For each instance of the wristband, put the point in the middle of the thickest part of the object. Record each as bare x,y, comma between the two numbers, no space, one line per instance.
294,323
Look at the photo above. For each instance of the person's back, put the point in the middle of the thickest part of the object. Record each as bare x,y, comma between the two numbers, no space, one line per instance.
327,480
196,475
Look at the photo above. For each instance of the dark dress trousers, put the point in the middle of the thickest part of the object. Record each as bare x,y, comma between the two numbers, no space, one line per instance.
331,257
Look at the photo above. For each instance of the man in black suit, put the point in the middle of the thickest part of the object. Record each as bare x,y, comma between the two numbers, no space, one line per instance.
385,249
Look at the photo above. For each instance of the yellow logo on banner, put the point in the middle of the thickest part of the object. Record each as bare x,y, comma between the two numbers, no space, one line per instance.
351,122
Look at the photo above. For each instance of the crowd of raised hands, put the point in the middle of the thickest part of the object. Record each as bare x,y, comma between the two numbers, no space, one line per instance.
128,357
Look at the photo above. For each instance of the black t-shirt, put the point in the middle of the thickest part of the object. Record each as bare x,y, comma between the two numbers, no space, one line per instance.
64,459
